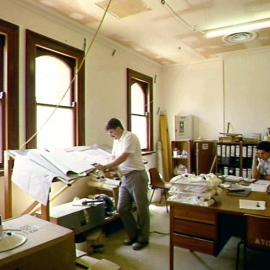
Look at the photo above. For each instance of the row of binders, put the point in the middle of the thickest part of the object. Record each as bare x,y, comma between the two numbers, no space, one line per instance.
224,150
246,172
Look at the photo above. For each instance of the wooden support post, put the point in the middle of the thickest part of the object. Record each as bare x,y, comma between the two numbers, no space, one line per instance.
45,212
8,165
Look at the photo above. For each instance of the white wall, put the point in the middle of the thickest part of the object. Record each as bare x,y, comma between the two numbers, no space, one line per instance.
194,89
107,97
105,77
234,89
247,91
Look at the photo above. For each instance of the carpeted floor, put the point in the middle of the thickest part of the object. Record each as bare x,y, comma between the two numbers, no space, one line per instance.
156,255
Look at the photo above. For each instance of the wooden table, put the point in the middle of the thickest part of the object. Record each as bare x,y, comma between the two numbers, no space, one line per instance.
207,229
48,246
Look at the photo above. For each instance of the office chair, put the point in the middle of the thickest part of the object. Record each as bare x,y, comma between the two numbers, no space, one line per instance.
157,183
257,238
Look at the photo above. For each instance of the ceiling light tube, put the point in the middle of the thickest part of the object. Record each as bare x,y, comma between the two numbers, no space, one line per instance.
223,31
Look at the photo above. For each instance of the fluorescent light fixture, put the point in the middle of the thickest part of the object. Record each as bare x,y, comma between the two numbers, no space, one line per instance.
245,27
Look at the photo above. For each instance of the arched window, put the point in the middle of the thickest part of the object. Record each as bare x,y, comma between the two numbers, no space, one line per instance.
53,84
140,112
50,69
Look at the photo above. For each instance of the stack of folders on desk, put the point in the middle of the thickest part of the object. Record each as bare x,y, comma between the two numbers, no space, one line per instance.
196,190
260,186
238,190
245,186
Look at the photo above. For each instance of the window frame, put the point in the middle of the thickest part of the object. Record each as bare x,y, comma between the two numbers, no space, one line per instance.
146,83
34,40
10,125
2,97
70,62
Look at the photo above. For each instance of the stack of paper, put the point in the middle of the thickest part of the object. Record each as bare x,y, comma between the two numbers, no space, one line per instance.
210,180
260,185
197,190
233,178
192,190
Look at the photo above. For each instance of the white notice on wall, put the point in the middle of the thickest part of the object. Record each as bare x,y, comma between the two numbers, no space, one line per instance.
183,126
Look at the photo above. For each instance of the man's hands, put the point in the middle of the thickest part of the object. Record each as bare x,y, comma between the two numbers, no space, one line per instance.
112,165
101,167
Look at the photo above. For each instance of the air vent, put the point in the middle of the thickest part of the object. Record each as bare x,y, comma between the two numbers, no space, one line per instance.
240,37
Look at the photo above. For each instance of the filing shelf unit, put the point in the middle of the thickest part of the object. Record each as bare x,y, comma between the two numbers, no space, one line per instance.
187,146
235,158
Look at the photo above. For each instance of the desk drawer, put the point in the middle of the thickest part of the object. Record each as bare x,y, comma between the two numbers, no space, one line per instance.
194,244
195,229
200,214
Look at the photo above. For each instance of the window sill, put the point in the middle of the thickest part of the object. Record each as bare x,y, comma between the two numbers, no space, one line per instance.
147,153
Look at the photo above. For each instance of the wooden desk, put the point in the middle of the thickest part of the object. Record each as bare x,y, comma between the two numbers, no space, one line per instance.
48,246
207,229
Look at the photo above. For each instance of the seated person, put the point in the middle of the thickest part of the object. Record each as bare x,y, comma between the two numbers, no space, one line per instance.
261,161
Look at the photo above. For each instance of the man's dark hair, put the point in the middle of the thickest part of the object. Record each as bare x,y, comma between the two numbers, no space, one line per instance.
264,145
113,124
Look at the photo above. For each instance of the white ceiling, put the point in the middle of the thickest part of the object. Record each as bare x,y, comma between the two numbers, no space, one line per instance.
167,31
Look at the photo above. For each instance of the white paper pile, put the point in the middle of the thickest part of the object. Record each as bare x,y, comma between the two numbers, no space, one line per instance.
192,189
260,185
96,264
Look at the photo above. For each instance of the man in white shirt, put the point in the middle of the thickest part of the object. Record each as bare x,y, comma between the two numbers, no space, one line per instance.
128,158
261,164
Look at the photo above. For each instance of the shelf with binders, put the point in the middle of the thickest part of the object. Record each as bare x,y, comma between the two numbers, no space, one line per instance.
181,156
248,151
235,158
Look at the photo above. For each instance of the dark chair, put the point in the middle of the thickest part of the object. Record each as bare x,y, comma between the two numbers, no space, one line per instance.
157,183
257,239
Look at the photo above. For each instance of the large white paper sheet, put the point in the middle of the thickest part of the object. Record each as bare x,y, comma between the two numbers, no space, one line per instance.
34,169
96,155
68,162
36,156
32,178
